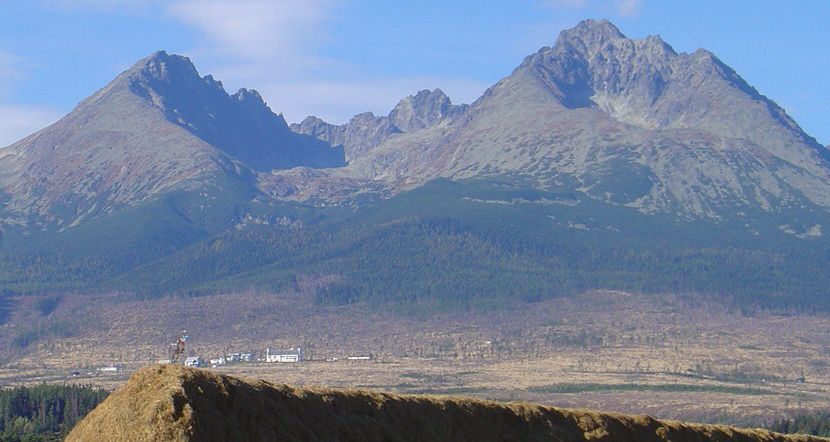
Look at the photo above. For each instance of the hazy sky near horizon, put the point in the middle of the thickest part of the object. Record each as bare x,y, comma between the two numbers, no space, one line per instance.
336,58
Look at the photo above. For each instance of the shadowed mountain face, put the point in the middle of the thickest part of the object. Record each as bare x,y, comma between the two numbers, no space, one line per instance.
157,127
240,125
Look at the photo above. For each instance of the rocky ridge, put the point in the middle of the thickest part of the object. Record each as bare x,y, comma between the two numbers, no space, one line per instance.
629,122
624,121
365,131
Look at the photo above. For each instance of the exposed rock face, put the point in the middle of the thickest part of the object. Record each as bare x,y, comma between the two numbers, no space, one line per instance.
647,84
627,121
365,131
180,404
362,133
157,126
424,109
240,125
630,122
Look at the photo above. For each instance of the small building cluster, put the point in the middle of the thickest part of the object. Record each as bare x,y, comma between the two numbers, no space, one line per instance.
194,361
291,356
231,358
287,356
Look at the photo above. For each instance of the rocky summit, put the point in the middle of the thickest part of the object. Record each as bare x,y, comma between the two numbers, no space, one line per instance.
629,122
174,403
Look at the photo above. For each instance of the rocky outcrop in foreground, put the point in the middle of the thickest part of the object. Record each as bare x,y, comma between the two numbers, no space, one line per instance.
179,404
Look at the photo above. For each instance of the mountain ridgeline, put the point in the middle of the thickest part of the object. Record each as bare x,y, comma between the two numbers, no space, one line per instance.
599,162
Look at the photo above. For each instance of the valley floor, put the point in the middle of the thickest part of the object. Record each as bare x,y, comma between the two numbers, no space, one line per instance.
667,356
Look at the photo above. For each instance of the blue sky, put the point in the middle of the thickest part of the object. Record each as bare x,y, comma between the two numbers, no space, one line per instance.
335,58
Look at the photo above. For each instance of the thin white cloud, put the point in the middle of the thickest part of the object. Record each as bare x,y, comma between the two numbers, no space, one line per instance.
18,121
274,47
274,30
628,8
571,4
336,101
10,71
624,8
100,5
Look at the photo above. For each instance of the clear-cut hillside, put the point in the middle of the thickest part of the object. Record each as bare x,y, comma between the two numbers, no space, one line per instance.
180,404
158,126
630,122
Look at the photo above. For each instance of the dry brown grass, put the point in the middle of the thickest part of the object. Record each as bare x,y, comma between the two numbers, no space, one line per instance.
605,338
180,404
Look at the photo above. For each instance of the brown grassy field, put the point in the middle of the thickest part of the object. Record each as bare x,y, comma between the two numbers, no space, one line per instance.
667,356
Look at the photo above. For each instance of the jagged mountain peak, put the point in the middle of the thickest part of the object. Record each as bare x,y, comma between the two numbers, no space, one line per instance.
601,39
591,31
424,109
166,74
425,95
594,34
590,37
241,125
684,129
248,95
157,126
365,116
646,83
163,65
425,100
173,83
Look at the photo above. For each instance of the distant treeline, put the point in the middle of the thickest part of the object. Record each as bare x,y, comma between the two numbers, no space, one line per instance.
44,412
816,424
443,245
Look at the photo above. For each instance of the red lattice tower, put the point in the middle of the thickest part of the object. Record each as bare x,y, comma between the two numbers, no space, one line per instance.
177,348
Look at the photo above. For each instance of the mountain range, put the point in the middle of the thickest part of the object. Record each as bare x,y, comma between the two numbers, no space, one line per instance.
599,162
625,121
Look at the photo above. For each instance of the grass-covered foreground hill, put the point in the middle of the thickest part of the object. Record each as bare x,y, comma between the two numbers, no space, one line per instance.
179,404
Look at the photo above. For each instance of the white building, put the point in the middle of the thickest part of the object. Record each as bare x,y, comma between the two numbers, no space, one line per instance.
292,355
217,361
110,369
193,361
360,358
238,357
